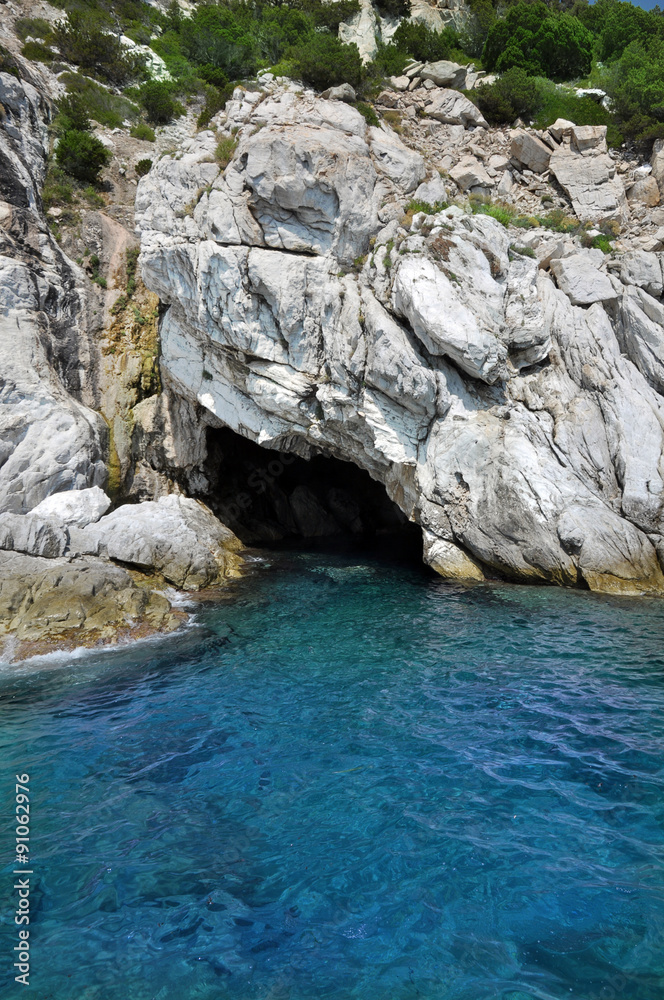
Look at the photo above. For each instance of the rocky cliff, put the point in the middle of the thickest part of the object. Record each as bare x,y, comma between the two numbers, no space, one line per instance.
504,385
338,289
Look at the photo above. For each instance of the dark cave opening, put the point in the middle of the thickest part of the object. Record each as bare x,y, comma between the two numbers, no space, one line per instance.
273,499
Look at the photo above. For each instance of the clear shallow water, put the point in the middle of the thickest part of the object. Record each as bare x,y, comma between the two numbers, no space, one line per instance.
351,781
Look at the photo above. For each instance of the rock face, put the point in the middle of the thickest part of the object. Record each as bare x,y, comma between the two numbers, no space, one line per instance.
60,586
513,412
48,441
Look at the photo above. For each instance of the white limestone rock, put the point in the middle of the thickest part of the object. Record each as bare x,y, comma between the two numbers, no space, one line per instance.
657,164
588,175
452,108
530,151
427,298
508,422
581,281
33,535
469,173
444,73
637,267
75,508
174,536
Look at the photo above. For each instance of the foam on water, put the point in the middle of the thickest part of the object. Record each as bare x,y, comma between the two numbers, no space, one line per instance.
351,781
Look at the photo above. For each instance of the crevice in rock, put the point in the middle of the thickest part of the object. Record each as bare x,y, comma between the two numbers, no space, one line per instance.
269,497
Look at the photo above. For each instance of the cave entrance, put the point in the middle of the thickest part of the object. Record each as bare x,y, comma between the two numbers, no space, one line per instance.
272,499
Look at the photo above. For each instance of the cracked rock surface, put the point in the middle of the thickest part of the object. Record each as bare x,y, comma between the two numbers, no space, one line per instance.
508,398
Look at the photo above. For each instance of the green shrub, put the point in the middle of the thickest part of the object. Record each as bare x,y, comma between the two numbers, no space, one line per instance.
142,131
35,27
82,155
394,8
513,95
417,205
368,113
618,24
390,60
157,99
143,167
169,47
225,149
72,114
8,64
327,13
424,44
132,266
324,61
215,101
540,41
213,75
221,36
102,106
38,52
557,102
82,40
505,214
475,33
57,189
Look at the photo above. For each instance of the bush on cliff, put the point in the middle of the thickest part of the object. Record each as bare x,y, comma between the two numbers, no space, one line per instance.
513,95
157,99
82,40
82,155
324,61
424,44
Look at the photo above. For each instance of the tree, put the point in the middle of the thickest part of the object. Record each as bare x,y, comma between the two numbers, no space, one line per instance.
82,155
540,41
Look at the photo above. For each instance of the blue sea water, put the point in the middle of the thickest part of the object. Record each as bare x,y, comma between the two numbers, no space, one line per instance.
348,781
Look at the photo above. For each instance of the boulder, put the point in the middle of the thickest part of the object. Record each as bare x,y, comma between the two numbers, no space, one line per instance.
387,99
174,536
75,507
581,281
644,191
390,157
530,151
344,92
657,163
48,604
432,191
450,561
560,128
452,108
32,535
636,267
469,173
590,181
586,137
444,324
443,73
641,334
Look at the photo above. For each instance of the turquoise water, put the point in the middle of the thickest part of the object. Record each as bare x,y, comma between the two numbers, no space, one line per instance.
349,781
